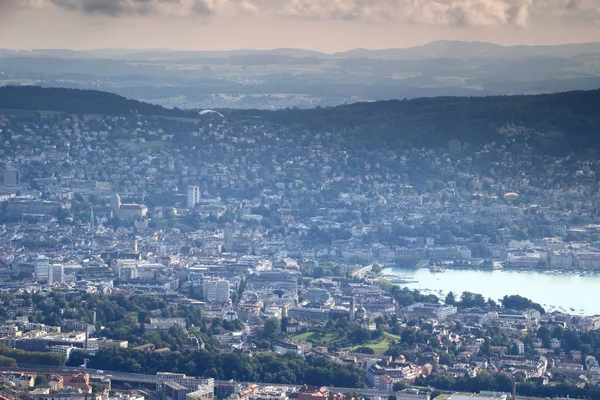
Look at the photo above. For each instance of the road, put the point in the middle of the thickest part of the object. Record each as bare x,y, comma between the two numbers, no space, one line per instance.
151,379
361,272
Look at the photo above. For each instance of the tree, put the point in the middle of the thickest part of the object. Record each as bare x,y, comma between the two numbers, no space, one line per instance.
468,300
359,335
364,350
40,380
571,341
450,299
514,349
272,326
543,334
557,333
7,362
516,302
376,268
399,386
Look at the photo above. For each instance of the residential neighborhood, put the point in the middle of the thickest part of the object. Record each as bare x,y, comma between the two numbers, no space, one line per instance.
129,244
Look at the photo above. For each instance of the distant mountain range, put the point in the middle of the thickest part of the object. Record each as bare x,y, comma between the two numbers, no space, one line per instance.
437,49
279,78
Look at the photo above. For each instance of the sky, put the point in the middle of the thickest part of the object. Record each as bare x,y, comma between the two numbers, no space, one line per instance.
323,25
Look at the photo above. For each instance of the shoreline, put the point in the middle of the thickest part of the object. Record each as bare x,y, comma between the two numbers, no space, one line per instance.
546,271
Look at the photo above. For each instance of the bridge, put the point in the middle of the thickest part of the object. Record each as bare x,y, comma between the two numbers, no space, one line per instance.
145,379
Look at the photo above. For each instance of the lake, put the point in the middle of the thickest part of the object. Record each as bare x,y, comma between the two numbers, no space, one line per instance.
560,292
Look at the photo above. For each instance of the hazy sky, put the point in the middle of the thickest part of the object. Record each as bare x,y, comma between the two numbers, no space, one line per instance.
326,25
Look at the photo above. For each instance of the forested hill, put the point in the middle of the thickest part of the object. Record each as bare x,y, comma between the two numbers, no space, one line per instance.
76,101
562,122
565,121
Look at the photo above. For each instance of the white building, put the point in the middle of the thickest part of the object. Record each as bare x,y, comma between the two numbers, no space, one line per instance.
561,259
42,268
193,196
216,291
63,350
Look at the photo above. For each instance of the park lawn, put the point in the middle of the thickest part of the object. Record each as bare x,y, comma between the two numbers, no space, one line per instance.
316,337
391,336
380,345
302,336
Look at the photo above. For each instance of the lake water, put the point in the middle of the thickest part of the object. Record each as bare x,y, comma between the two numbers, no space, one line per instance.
554,292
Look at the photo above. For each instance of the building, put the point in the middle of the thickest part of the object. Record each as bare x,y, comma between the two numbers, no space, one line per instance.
561,260
79,381
216,291
132,211
519,345
589,323
42,268
115,203
46,341
203,392
56,383
472,396
173,391
56,273
428,310
106,344
270,393
26,381
12,176
510,317
128,211
36,206
280,347
313,393
309,314
189,382
412,394
164,324
63,350
193,196
588,260
192,343
386,383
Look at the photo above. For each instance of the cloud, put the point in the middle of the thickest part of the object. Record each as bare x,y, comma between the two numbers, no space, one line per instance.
115,8
519,13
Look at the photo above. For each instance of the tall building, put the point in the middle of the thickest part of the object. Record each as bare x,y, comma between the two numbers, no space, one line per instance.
216,291
193,196
42,268
56,273
115,203
12,176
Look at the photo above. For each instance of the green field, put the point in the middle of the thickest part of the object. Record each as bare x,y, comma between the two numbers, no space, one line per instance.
379,346
302,336
316,337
